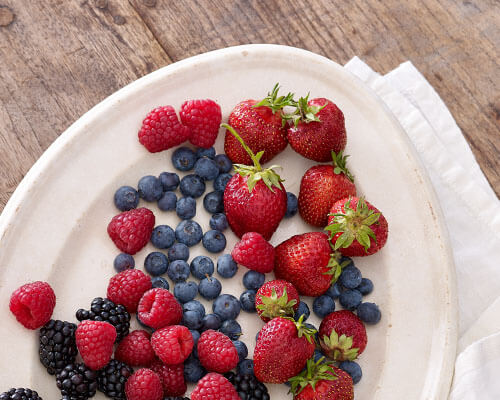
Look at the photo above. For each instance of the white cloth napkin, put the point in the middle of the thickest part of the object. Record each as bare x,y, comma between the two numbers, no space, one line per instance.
472,213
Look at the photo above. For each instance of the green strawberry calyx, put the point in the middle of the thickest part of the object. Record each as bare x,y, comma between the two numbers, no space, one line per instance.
311,375
339,165
302,329
255,173
336,265
275,102
276,306
339,348
304,112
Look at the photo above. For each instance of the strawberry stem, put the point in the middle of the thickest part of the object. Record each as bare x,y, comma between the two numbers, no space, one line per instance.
255,158
274,102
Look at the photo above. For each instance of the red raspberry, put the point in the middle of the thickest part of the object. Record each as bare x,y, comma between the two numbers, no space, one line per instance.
95,340
172,378
161,130
131,230
203,117
172,344
32,304
254,252
144,384
214,387
127,288
159,308
135,349
216,352
271,302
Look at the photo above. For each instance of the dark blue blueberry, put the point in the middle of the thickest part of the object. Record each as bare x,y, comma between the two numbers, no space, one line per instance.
247,300
209,288
194,305
201,152
188,232
192,320
178,271
185,291
196,336
218,222
353,369
333,291
169,181
350,278
323,305
206,168
150,188
186,208
226,266
156,263
211,321
317,355
183,159
126,198
192,186
163,237
223,162
291,205
257,336
253,280
241,348
245,367
214,241
178,251
350,299
213,202
123,261
168,201
193,371
221,182
160,282
201,267
231,329
369,313
365,287
303,309
226,306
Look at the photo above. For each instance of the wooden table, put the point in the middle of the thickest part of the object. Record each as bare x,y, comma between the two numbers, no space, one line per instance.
58,58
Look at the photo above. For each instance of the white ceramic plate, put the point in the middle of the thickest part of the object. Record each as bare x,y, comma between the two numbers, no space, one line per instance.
54,226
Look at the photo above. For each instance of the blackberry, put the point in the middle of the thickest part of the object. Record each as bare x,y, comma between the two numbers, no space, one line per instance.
111,379
107,311
77,382
248,387
20,394
57,345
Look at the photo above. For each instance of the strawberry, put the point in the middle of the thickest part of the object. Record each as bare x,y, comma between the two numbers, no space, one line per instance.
323,185
342,336
276,298
254,252
254,198
261,127
95,340
214,386
318,128
203,117
352,222
282,349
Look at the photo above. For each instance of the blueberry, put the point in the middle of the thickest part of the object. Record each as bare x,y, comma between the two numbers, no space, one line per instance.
333,291
156,263
323,305
209,288
196,336
253,280
126,198
178,270
213,202
201,152
193,371
226,306
206,168
369,313
185,291
214,241
211,321
221,182
291,205
150,188
160,282
317,355
179,251
231,329
350,299
192,185
169,181
123,261
241,348
186,208
201,267
245,367
350,278
226,266
168,201
247,300
223,162
353,369
183,159
257,336
365,287
192,320
218,222
194,305
163,237
303,309
188,232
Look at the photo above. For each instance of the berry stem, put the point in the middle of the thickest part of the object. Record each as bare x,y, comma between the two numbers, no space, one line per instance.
255,158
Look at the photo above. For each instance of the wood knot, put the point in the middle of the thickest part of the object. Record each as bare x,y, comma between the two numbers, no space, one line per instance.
6,16
119,20
102,4
149,3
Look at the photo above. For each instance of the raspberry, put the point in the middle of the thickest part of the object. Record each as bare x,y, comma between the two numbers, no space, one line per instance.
172,344
214,387
216,352
159,308
127,288
144,384
135,349
94,340
161,130
171,377
203,117
254,252
32,304
131,230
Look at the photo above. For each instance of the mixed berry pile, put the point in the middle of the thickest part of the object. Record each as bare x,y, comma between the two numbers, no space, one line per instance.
181,342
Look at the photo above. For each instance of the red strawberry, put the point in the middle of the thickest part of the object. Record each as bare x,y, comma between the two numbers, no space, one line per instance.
144,384
282,349
216,352
342,336
172,378
323,185
158,308
32,304
277,298
214,386
172,344
254,252
135,349
203,118
254,198
127,288
352,223
95,340
130,230
161,130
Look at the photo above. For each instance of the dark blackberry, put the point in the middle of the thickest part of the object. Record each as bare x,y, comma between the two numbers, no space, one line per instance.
105,310
57,345
77,382
248,387
20,394
111,379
